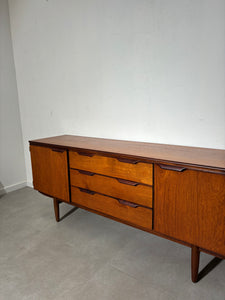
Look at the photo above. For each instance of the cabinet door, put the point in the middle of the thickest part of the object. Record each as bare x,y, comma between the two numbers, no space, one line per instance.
50,171
190,206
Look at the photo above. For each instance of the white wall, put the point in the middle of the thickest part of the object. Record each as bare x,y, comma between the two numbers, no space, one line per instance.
144,70
12,163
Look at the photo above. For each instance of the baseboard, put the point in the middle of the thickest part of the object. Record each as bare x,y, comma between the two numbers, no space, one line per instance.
13,187
30,184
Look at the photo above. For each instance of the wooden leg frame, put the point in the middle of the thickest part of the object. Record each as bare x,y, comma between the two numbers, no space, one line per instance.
56,208
195,255
195,251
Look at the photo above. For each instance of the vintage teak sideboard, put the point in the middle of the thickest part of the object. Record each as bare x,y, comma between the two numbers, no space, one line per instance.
172,191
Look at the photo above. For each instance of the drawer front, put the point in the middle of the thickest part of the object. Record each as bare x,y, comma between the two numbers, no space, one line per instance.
135,171
139,216
118,188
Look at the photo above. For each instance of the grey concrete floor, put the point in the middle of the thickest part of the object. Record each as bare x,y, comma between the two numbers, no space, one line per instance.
87,256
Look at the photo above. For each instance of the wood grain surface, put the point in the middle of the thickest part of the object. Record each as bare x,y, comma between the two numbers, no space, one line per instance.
50,172
137,216
141,194
190,206
140,172
205,157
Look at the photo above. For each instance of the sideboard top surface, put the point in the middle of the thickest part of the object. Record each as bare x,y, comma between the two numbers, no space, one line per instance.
204,157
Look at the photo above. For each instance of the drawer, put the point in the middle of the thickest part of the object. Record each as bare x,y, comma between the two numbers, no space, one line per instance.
118,188
139,216
129,169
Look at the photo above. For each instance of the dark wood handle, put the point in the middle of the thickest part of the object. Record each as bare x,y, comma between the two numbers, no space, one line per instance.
127,203
86,191
86,172
172,168
128,182
58,150
85,153
128,161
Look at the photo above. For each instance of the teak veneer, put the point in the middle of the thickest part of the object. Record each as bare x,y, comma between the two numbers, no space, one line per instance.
175,192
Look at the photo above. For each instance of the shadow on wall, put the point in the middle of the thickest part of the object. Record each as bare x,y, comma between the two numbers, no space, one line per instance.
2,190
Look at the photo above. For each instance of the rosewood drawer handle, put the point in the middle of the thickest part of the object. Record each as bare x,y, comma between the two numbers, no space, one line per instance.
128,161
58,150
85,153
86,172
172,168
86,191
128,203
128,182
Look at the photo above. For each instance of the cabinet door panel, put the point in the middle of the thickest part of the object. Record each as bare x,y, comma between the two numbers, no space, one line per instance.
50,171
190,206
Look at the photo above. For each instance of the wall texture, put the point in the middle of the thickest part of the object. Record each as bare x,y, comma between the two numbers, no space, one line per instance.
12,163
144,70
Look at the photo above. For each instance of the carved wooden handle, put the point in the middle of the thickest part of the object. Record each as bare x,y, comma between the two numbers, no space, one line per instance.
87,191
127,203
128,161
172,168
86,172
85,153
128,182
58,150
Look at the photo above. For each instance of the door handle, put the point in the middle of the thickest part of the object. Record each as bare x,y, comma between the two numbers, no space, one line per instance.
58,150
128,161
87,191
85,153
128,203
172,168
128,182
86,172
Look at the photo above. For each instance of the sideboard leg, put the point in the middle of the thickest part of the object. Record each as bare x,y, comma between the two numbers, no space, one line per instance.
56,208
195,254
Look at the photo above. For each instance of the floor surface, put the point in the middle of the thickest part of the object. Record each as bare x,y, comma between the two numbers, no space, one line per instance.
86,256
